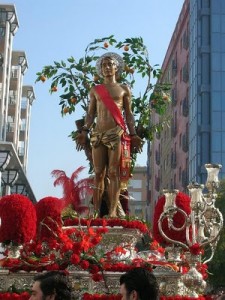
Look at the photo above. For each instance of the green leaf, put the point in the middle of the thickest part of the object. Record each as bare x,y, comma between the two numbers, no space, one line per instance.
71,59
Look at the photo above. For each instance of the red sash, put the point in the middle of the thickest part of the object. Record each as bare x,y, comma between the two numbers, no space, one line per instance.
125,162
110,105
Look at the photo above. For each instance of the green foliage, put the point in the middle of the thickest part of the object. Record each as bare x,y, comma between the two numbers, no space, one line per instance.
75,77
217,265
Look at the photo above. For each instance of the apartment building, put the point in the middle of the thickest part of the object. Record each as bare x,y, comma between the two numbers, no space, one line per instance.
138,192
15,106
195,66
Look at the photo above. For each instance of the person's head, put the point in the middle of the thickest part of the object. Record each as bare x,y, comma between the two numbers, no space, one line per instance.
110,59
52,285
139,284
109,66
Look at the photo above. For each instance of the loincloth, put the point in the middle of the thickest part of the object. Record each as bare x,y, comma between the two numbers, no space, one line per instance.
110,138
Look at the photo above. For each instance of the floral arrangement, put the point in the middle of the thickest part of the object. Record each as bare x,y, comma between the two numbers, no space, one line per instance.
74,246
48,211
16,296
87,296
183,202
18,219
125,223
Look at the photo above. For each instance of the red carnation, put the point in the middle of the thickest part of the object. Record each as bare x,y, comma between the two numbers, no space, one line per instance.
94,269
18,219
84,264
97,277
75,259
195,249
49,220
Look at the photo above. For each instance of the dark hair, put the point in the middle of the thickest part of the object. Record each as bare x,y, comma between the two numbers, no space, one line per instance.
143,282
54,282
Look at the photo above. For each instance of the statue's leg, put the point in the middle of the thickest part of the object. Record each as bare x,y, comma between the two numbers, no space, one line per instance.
114,180
99,155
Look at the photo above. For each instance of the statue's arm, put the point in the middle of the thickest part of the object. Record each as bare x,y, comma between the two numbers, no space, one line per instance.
136,141
91,112
128,111
82,139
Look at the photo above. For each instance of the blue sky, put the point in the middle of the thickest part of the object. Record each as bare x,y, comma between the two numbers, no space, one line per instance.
54,30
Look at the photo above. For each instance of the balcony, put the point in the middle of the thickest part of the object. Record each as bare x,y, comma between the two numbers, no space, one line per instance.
10,127
12,100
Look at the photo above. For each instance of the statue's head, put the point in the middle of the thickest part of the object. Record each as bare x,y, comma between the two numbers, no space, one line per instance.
116,58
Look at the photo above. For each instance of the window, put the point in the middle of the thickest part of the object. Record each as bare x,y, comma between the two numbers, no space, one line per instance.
135,183
136,196
2,31
14,72
12,97
23,124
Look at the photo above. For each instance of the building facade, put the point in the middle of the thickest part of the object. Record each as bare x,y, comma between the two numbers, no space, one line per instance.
15,106
194,65
137,192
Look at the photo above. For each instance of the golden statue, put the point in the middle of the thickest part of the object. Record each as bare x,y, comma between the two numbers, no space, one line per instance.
109,102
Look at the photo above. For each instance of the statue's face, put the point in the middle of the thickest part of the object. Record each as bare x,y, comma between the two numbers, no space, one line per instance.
109,67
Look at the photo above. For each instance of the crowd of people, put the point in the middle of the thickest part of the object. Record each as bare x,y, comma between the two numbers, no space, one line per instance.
136,284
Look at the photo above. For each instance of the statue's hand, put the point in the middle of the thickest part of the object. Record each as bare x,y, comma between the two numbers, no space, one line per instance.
81,140
136,144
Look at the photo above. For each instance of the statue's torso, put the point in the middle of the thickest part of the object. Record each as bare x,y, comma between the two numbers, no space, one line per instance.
104,120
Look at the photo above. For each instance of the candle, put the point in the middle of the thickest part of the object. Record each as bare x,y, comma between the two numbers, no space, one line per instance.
170,196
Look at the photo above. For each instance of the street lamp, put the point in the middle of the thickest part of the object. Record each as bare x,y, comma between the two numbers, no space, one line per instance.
19,189
4,159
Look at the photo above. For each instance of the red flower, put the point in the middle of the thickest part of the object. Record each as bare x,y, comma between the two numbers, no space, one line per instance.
96,240
195,249
94,269
77,247
18,219
75,259
84,264
102,230
120,250
110,222
52,267
48,217
97,277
